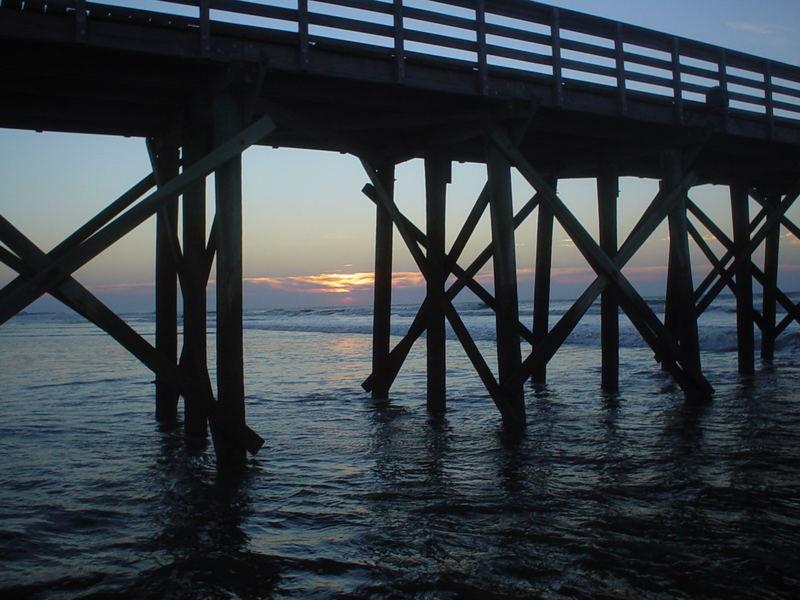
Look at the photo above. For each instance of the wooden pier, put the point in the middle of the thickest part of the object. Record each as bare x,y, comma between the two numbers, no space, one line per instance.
515,85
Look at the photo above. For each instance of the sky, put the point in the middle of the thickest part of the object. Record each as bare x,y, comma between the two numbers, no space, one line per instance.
309,232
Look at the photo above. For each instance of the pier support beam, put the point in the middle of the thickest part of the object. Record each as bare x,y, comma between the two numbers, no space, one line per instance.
194,361
165,159
437,176
769,298
230,345
740,215
680,318
509,358
607,194
382,307
541,281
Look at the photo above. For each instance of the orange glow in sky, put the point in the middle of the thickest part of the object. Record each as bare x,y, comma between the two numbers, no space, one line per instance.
334,283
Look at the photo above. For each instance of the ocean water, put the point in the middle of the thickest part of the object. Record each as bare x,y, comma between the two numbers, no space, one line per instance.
636,495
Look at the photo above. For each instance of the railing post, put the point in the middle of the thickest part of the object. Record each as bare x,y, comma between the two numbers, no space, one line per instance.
480,26
399,42
723,84
80,20
619,56
555,37
768,100
302,31
677,88
205,27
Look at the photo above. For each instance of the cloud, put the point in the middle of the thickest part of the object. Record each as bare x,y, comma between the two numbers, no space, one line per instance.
333,283
757,28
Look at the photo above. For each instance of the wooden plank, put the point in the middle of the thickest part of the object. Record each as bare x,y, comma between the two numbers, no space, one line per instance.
230,343
480,33
194,360
437,176
505,277
619,60
382,306
165,160
745,340
680,287
204,20
399,40
607,194
541,282
64,265
555,48
770,285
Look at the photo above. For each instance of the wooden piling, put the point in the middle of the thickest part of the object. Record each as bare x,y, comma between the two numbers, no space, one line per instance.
679,320
769,297
740,215
195,346
230,345
509,357
607,194
165,160
382,308
437,176
541,281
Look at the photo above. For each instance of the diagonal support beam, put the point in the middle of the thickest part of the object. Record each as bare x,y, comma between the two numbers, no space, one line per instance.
78,298
642,316
93,224
64,265
465,278
772,215
82,301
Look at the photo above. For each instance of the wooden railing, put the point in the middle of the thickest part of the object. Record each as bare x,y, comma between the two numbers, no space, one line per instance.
491,37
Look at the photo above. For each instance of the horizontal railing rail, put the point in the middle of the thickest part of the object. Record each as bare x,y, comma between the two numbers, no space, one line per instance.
492,38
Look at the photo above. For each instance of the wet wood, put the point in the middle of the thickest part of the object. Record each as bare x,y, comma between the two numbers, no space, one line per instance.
437,176
541,282
505,279
194,359
607,194
680,287
230,343
745,337
769,302
382,307
165,158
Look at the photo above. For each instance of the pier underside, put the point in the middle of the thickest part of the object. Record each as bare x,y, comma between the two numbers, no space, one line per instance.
199,115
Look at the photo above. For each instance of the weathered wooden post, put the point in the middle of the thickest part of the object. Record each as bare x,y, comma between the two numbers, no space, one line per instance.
541,280
230,345
740,215
437,176
769,300
165,159
680,317
607,194
509,357
382,307
195,346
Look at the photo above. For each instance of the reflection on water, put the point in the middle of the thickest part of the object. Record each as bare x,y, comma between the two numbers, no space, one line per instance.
637,495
